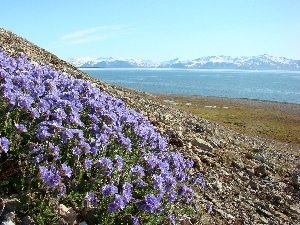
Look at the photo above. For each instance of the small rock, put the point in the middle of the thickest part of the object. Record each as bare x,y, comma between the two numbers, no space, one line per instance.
253,185
224,214
83,223
249,171
9,218
12,204
197,142
244,178
264,212
176,141
263,220
296,179
259,158
67,214
9,222
26,220
218,186
238,164
260,170
185,222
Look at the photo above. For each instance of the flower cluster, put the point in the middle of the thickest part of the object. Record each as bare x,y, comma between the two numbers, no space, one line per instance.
71,131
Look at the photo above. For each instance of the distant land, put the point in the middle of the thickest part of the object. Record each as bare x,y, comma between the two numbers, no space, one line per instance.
261,62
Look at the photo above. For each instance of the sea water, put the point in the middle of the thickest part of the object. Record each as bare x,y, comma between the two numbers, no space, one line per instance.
280,86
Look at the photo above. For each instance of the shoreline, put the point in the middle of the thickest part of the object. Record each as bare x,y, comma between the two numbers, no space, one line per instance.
286,107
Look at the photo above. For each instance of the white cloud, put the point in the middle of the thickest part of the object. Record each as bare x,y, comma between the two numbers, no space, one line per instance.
91,34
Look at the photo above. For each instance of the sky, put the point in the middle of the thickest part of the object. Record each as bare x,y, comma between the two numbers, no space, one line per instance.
157,30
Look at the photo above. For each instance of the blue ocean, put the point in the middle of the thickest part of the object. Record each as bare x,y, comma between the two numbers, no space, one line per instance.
280,86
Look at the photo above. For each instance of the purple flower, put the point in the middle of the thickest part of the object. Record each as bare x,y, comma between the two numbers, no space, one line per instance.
138,170
105,165
43,133
140,183
172,196
119,161
20,127
54,150
182,189
150,204
85,146
117,204
4,144
62,190
135,220
170,182
210,209
152,160
66,170
171,218
87,164
108,190
199,180
91,198
76,151
50,176
127,188
158,182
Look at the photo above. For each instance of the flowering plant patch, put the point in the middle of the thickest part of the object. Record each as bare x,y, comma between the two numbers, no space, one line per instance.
77,145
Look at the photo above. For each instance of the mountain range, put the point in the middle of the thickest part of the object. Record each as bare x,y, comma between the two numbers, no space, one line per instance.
261,62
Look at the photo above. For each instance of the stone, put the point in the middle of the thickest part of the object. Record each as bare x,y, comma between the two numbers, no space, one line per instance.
12,204
253,185
197,142
26,220
83,223
67,214
249,171
218,186
8,222
260,171
296,179
237,164
9,219
175,141
259,158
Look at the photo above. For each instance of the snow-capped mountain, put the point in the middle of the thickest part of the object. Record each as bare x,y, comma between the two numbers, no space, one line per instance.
262,62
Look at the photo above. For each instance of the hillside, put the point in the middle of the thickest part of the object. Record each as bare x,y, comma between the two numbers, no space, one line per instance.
250,180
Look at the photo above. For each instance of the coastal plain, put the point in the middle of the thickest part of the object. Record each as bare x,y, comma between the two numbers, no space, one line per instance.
277,121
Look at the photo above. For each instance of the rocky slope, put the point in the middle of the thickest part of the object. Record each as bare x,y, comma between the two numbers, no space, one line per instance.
249,180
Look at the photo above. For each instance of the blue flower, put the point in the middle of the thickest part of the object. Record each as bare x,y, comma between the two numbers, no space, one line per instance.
135,220
127,195
66,170
87,164
20,127
117,204
119,161
90,197
108,190
171,218
105,165
50,176
4,144
150,203
138,170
